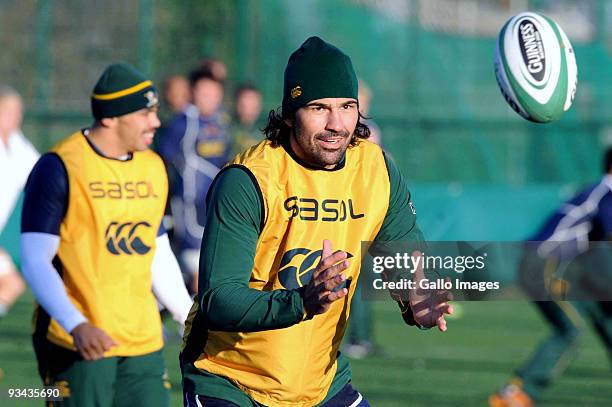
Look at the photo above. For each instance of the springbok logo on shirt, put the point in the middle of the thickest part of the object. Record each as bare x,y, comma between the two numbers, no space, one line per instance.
297,266
121,238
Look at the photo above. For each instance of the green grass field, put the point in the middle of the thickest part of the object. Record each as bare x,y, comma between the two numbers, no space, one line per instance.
420,368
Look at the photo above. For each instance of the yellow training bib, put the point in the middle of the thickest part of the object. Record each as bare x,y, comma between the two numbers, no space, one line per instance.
295,366
107,242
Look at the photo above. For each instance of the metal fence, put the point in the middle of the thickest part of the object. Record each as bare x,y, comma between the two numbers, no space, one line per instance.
429,63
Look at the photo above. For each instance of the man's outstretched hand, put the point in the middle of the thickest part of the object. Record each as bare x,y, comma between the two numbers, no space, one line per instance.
428,305
318,294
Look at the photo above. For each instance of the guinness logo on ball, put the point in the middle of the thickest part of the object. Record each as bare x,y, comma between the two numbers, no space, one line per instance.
532,49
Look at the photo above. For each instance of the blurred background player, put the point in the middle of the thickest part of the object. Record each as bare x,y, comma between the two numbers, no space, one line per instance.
587,217
176,96
17,157
195,146
365,101
95,254
216,67
247,113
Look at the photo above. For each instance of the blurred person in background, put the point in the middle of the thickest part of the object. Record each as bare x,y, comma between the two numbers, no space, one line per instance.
365,101
564,237
177,94
247,111
96,256
216,67
17,157
195,146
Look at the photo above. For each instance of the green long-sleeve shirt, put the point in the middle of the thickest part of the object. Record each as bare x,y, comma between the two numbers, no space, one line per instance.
234,221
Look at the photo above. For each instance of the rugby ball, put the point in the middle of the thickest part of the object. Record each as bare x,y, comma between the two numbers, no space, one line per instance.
535,67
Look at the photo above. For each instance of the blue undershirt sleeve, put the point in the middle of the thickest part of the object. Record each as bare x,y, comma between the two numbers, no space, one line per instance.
46,196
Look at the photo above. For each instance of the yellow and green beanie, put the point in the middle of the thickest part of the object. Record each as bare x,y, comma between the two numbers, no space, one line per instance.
122,89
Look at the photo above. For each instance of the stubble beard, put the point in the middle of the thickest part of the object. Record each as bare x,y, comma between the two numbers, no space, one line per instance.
316,155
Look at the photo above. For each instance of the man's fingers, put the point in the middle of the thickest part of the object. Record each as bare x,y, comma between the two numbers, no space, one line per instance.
327,277
332,283
441,323
85,353
332,272
444,308
91,342
108,342
89,352
87,356
336,295
329,261
443,296
450,310
328,258
327,249
82,349
97,347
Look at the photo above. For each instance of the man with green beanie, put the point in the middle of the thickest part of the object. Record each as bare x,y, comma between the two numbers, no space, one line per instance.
96,256
279,259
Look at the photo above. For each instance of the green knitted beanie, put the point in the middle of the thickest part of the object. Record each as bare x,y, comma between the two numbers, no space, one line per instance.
317,70
122,89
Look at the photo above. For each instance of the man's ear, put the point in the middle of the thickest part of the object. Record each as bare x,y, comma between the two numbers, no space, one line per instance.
288,121
108,122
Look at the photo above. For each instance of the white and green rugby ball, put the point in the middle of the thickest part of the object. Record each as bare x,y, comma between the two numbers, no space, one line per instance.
535,67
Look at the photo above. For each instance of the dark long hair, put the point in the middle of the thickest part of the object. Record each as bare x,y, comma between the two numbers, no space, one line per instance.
278,132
